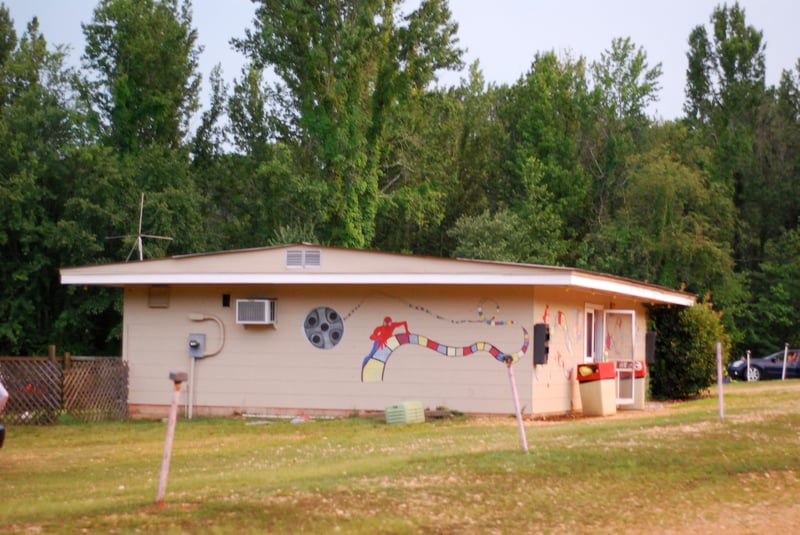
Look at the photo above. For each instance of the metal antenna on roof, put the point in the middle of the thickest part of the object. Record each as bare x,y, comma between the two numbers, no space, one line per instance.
137,244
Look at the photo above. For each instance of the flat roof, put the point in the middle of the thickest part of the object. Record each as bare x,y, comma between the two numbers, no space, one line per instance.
306,264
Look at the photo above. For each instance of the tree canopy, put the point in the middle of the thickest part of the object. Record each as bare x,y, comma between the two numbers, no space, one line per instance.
338,131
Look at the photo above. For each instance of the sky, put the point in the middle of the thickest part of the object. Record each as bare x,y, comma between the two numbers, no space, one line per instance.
503,35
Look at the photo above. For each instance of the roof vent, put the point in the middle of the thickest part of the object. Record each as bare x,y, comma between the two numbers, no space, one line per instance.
303,258
255,311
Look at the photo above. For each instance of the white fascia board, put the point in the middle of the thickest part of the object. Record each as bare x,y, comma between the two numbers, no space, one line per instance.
116,279
646,293
560,278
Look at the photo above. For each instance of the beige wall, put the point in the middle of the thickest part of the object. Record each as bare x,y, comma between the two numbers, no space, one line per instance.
269,368
277,370
555,386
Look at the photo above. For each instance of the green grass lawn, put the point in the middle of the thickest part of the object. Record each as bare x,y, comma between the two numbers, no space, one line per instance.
668,469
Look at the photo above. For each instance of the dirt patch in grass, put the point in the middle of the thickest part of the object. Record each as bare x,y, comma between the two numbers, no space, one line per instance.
650,409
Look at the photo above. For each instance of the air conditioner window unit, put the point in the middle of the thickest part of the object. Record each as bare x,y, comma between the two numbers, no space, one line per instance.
255,311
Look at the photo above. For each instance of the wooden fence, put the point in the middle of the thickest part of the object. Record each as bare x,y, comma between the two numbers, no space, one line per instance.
44,389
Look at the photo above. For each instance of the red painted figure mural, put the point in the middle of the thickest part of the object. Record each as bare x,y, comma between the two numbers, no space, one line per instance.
386,340
384,331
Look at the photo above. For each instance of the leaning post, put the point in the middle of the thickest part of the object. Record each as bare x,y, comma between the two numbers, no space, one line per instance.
785,357
517,410
177,378
720,382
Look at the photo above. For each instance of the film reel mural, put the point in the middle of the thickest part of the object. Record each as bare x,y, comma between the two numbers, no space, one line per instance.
324,327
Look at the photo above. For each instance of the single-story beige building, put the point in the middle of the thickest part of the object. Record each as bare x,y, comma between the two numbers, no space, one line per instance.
306,329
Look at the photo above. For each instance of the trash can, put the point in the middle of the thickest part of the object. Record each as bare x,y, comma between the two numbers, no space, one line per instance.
636,371
598,386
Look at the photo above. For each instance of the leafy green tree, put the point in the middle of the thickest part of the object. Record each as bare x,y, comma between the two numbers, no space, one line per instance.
776,151
343,68
293,234
8,43
628,84
771,219
529,232
776,287
481,141
145,55
545,116
500,236
686,341
624,85
725,89
753,133
668,227
211,136
442,161
725,77
88,320
37,131
418,174
259,187
542,222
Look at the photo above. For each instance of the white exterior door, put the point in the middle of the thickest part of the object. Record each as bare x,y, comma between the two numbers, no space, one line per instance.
619,344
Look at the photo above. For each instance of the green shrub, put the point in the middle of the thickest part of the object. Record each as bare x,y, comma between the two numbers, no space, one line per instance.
686,350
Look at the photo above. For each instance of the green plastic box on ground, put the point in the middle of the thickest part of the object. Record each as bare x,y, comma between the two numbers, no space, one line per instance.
407,412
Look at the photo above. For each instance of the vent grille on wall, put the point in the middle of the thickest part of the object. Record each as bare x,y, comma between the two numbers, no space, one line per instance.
303,258
158,297
255,311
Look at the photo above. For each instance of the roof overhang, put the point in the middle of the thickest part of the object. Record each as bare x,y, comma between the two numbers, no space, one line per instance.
577,280
192,270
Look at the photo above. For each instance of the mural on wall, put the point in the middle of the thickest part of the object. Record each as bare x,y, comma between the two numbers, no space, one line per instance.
391,335
561,329
323,327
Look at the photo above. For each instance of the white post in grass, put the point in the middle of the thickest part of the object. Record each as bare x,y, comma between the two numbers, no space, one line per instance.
719,382
785,356
748,365
513,382
177,378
